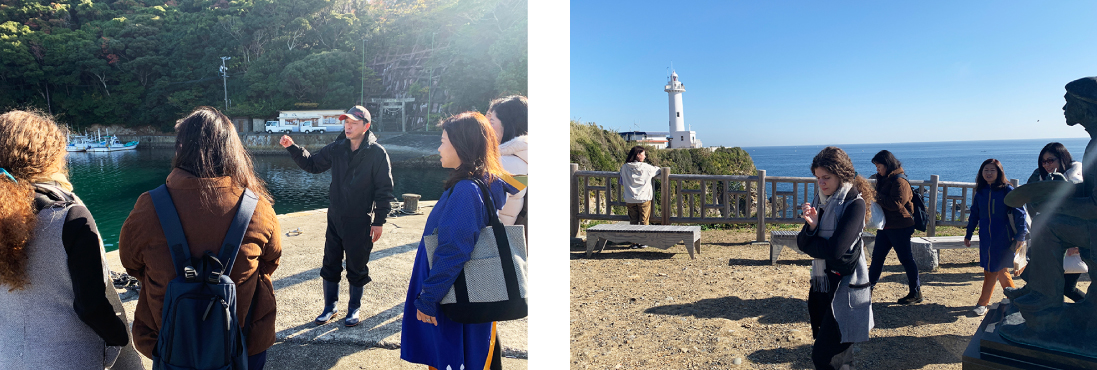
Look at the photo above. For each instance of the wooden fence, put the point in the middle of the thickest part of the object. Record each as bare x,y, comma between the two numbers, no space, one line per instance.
737,199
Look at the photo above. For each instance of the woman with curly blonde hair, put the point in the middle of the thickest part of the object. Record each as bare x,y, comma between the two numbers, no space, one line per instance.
51,316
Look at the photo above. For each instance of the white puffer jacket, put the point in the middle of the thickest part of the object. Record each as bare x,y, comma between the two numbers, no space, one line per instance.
515,159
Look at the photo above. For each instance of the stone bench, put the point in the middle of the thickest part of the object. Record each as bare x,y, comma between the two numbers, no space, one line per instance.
658,236
778,240
925,249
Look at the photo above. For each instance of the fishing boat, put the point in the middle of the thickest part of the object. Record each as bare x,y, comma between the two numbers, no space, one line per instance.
111,144
80,143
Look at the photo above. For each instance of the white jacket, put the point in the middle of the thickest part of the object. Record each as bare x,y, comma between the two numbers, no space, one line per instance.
636,181
514,156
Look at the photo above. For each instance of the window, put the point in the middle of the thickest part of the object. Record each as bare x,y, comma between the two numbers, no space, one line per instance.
679,114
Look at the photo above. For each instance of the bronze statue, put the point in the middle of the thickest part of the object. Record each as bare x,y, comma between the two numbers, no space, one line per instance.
1068,219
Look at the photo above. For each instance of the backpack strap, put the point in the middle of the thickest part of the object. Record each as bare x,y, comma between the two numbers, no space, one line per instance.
173,231
231,246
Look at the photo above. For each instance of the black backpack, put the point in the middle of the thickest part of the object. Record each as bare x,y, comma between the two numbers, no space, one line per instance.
921,217
199,327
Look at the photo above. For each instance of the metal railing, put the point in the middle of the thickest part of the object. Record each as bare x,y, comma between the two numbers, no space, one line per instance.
736,199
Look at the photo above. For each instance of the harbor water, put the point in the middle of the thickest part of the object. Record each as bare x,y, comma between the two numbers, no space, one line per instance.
109,183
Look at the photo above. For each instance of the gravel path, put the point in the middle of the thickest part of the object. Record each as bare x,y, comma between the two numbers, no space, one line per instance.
654,309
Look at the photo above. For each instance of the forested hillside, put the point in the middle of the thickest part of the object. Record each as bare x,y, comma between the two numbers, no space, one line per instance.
148,62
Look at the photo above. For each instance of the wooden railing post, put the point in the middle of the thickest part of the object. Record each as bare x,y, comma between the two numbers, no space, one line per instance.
931,223
761,205
574,201
665,196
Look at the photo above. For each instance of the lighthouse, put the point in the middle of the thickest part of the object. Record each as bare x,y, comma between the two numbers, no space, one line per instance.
679,136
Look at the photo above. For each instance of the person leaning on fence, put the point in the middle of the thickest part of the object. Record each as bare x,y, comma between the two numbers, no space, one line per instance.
361,187
636,183
509,119
428,337
893,194
1056,164
840,300
998,242
58,308
209,173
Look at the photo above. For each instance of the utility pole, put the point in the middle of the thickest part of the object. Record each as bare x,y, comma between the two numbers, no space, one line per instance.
362,98
430,80
225,81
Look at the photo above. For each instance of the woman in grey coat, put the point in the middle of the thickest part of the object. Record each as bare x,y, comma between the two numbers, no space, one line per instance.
840,301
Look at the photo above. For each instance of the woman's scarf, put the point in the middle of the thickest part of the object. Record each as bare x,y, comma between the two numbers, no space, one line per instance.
831,208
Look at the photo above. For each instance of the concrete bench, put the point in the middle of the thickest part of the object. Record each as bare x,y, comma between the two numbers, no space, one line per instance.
778,240
925,249
658,236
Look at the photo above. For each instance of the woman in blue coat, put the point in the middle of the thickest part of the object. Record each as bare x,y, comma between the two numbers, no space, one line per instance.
998,239
428,337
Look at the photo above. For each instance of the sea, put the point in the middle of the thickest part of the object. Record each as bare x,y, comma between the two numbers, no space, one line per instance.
109,183
950,160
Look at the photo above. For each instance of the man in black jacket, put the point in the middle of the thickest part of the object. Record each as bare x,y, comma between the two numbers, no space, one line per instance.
361,181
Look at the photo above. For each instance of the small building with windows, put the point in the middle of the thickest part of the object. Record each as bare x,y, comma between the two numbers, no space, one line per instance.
658,140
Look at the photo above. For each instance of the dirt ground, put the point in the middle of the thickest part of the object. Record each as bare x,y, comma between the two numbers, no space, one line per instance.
653,309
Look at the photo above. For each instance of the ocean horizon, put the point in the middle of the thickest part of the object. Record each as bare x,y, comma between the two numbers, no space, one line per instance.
951,160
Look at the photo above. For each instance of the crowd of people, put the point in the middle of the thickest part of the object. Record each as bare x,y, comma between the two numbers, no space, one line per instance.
839,301
58,308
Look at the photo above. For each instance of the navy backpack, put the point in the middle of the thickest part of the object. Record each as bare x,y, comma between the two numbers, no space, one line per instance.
199,327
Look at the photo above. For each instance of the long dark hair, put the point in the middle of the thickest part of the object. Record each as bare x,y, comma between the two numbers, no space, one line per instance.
836,161
1001,181
207,146
634,154
513,113
1059,151
32,148
889,161
474,141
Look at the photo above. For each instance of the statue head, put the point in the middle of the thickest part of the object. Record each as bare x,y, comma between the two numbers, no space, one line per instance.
1081,106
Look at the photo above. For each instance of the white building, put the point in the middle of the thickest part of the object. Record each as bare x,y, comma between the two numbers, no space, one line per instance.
658,140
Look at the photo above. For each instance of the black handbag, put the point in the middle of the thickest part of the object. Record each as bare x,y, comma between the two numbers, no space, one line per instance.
492,284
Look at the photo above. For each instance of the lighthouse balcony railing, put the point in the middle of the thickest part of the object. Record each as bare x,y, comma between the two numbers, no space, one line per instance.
737,199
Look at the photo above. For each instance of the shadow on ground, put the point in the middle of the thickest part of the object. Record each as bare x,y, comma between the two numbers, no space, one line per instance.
773,310
902,352
893,315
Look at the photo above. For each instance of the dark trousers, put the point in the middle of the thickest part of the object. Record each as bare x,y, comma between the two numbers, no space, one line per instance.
1070,289
899,239
349,236
257,361
828,352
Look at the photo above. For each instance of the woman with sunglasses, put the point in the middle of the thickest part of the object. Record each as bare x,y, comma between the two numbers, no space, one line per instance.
1056,164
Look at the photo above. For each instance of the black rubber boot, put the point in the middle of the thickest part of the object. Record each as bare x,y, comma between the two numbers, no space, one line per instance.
915,296
331,297
353,305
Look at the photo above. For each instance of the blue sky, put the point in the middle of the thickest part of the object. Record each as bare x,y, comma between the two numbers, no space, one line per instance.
764,73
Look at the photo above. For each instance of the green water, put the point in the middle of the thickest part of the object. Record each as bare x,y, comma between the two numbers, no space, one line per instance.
109,183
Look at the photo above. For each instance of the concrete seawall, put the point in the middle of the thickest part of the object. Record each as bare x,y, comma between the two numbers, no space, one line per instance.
302,344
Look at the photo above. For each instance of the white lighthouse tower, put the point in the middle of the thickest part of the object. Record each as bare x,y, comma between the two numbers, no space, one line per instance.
679,136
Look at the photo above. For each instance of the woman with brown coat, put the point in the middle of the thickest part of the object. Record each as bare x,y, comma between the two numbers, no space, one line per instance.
893,194
210,171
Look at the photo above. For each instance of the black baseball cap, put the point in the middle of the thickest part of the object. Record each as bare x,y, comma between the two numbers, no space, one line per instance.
357,112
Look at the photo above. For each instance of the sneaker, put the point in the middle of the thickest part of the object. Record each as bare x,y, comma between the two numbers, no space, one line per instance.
980,310
912,298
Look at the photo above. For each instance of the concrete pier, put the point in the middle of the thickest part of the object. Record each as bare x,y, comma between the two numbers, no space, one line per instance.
373,344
